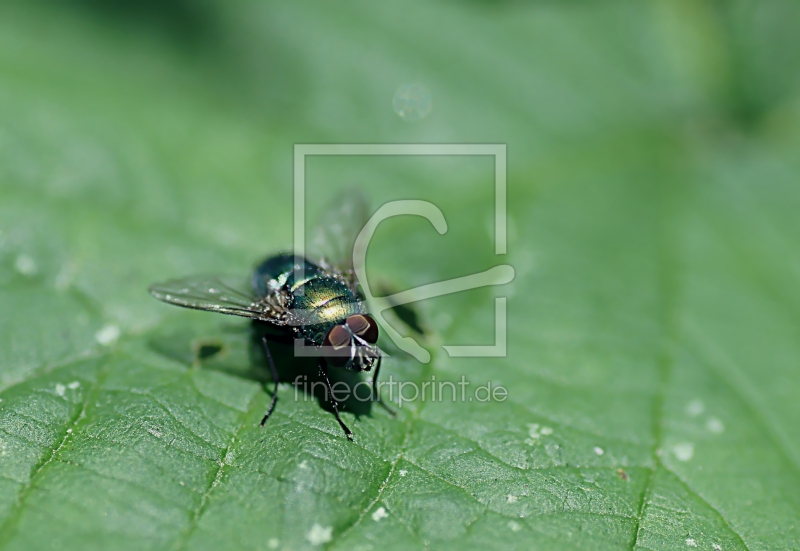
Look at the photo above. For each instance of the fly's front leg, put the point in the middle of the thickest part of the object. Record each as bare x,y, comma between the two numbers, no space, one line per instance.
323,370
274,378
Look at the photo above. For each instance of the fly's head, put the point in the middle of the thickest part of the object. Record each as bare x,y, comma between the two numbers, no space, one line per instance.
352,344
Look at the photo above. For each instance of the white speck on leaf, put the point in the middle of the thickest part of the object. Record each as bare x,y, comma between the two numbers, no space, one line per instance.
535,432
716,547
26,265
73,385
60,389
512,499
598,450
683,451
403,473
107,335
379,514
69,431
690,542
715,425
515,526
273,543
319,534
412,102
695,408
303,465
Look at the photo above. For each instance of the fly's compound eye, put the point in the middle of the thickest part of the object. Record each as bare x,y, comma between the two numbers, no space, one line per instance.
337,345
364,326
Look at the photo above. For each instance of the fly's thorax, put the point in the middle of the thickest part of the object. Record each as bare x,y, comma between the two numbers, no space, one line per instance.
278,272
320,303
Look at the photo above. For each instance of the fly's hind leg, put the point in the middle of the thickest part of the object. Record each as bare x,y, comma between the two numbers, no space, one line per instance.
323,370
274,378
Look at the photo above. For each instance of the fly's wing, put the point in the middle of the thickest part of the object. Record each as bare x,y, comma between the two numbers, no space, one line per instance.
219,294
333,240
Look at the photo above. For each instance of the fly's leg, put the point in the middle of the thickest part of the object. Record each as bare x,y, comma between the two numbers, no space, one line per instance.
323,370
274,378
376,391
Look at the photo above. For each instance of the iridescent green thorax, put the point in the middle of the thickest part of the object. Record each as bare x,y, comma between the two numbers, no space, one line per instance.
323,302
319,300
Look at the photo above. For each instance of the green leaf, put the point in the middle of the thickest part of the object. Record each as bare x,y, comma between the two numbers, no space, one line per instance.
652,366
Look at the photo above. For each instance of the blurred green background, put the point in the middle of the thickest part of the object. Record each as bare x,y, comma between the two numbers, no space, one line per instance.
653,346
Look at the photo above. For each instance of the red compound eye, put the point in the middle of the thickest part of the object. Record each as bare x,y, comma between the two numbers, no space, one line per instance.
337,338
364,326
337,346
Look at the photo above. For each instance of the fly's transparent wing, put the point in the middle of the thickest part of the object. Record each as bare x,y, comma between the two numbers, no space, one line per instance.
332,241
218,294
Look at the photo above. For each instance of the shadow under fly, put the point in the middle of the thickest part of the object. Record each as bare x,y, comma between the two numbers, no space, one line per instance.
336,390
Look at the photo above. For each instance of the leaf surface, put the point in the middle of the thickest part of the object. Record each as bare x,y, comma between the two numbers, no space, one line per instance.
652,366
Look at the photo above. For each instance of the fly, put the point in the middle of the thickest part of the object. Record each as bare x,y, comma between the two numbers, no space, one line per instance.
324,307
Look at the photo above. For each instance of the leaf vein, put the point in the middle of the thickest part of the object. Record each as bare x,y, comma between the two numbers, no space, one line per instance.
197,514
6,529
